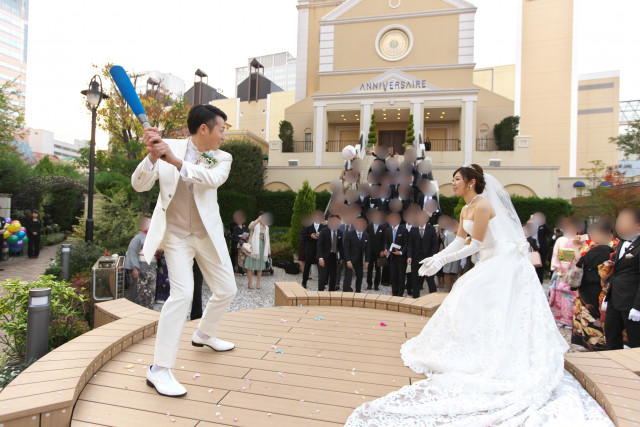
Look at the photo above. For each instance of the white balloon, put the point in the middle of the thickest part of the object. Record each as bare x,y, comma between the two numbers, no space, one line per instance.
349,152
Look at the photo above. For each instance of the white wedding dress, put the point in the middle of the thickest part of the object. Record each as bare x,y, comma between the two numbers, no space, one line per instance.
492,353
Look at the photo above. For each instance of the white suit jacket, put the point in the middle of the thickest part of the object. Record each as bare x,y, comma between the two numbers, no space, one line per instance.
206,181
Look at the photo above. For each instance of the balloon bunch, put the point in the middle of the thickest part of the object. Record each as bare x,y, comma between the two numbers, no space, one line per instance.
15,236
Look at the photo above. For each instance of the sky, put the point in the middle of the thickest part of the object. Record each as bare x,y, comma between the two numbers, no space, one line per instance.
69,38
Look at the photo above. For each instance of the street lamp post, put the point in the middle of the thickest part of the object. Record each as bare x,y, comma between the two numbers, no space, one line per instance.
94,95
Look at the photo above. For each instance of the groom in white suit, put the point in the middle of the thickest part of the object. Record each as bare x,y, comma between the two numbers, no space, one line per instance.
186,223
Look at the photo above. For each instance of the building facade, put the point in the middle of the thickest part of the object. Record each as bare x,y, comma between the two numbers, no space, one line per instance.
14,25
44,142
280,68
412,61
151,80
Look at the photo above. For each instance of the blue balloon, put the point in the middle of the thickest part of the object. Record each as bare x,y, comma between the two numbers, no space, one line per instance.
21,234
7,220
5,244
15,248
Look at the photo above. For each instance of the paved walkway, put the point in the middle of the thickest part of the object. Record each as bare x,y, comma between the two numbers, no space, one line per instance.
27,269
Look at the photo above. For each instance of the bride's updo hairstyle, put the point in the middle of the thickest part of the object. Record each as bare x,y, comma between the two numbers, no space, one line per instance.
473,172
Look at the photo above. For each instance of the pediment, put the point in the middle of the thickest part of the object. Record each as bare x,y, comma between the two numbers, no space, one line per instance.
394,81
367,8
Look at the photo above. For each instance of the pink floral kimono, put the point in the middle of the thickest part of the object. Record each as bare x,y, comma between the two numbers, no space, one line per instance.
561,296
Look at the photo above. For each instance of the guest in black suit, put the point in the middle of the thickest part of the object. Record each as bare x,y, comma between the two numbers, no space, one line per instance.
542,235
238,228
310,235
423,243
357,246
623,297
376,231
196,303
363,199
329,253
433,210
396,234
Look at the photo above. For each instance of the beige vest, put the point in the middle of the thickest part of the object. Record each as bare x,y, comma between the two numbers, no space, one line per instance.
183,217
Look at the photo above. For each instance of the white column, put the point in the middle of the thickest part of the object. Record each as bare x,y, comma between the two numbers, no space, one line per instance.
319,132
365,121
418,122
266,127
469,128
237,113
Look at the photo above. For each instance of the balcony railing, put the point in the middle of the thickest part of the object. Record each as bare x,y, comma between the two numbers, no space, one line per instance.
443,145
492,144
338,145
298,147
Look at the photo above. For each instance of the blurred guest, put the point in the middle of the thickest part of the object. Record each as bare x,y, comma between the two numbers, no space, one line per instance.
304,223
34,227
163,286
451,271
329,253
560,294
376,232
542,235
431,206
260,250
196,303
530,230
623,298
356,248
346,226
140,276
587,325
309,235
239,236
395,244
423,243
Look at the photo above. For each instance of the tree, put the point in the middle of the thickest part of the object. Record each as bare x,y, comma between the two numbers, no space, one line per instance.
410,133
165,111
247,168
13,170
458,209
286,136
594,173
505,132
304,205
629,143
373,135
11,115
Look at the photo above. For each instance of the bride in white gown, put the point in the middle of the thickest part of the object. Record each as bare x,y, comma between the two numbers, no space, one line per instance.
492,352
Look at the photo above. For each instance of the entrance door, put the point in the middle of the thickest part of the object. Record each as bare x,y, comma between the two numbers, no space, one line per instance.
392,139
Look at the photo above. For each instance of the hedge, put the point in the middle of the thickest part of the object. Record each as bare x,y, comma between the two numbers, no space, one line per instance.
525,206
230,201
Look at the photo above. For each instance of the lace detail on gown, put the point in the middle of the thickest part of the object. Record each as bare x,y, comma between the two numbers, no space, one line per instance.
492,355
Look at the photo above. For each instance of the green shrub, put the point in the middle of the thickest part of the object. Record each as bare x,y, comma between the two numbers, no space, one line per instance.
279,203
52,239
83,257
322,200
231,201
68,316
304,205
280,247
247,168
525,206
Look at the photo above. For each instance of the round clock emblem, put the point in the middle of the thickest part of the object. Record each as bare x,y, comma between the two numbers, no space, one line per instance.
394,43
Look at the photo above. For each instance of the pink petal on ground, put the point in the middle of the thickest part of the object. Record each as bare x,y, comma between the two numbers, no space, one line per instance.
383,324
196,376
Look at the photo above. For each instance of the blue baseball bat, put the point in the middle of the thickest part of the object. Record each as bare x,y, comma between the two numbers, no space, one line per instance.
128,92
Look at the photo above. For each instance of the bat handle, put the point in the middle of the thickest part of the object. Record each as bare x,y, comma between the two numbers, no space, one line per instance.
145,125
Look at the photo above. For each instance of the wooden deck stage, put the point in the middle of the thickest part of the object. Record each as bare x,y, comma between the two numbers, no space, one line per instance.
292,366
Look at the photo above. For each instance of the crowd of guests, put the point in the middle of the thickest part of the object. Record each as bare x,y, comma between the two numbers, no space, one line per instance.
382,247
595,278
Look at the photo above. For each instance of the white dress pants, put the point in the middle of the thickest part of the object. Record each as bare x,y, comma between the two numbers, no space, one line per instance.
179,254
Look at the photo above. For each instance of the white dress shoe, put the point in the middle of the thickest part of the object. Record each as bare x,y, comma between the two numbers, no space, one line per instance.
211,342
165,383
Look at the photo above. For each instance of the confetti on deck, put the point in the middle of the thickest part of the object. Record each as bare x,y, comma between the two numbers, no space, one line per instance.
283,320
129,366
383,324
319,318
196,376
278,351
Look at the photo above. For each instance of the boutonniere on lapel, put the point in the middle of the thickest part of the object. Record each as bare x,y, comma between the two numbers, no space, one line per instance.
207,160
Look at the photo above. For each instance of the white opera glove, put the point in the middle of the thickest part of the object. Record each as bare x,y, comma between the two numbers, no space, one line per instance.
429,269
454,246
634,315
